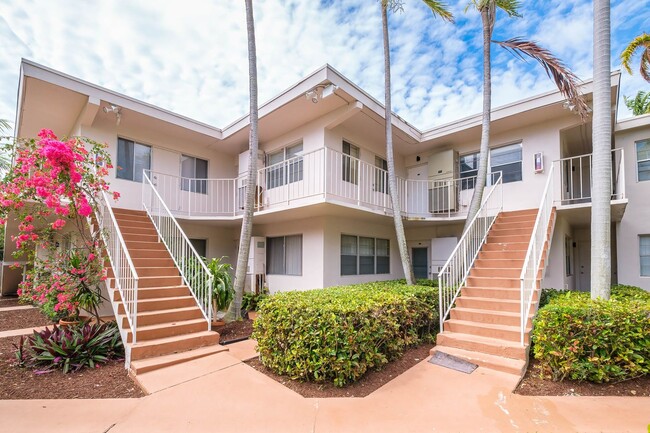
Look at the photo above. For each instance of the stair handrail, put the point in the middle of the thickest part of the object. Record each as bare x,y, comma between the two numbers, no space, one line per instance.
193,269
125,275
534,254
453,274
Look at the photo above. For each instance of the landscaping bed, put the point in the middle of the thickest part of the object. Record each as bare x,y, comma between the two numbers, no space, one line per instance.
108,381
9,301
369,383
236,330
533,384
20,319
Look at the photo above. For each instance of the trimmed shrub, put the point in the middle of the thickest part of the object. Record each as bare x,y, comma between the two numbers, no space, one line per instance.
594,340
339,333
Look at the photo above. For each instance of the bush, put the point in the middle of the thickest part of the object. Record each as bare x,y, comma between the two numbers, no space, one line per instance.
594,340
339,333
70,348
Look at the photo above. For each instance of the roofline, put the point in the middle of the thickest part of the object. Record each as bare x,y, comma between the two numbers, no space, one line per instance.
32,69
324,74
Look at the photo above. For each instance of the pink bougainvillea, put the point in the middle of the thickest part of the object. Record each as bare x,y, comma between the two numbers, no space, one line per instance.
54,185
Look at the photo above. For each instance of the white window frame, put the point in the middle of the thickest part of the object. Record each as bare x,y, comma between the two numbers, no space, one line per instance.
490,173
350,163
638,161
381,175
284,258
192,184
358,256
286,171
641,274
117,153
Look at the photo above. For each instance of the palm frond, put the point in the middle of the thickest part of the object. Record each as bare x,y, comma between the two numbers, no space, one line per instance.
439,9
4,126
640,104
642,41
566,81
511,7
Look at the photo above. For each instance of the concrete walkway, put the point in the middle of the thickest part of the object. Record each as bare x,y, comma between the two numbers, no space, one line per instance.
236,398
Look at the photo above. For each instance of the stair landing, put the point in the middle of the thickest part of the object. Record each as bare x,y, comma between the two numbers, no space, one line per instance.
484,325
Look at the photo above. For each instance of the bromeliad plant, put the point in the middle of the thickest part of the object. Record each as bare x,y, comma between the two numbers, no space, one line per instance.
52,187
70,348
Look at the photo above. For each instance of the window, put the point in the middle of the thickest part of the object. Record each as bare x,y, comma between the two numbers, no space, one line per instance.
644,254
643,159
350,163
132,159
507,160
468,170
200,245
284,255
364,256
194,172
381,175
568,256
281,172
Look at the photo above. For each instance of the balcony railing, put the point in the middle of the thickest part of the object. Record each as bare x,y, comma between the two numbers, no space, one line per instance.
320,175
576,173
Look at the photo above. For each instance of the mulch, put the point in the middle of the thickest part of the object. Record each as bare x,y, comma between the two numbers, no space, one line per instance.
234,330
9,301
533,384
20,319
369,383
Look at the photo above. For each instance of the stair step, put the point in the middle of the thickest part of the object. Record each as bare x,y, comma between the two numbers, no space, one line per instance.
476,343
157,304
512,213
493,263
491,330
503,230
496,293
154,262
169,329
501,224
144,365
502,254
508,239
504,246
509,318
175,344
160,281
482,303
126,230
157,292
491,271
140,237
503,282
168,271
150,246
499,363
146,318
139,223
161,253
126,211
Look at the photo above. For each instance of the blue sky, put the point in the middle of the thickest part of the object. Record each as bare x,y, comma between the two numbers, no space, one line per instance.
190,56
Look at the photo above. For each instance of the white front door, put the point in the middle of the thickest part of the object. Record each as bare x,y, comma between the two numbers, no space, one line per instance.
584,266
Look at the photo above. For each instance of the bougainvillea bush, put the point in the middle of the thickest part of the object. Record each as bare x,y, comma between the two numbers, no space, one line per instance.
52,188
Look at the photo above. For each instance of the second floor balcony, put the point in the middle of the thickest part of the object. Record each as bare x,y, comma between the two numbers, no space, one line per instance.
329,176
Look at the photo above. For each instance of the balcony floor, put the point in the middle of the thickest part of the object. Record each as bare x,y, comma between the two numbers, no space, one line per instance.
580,213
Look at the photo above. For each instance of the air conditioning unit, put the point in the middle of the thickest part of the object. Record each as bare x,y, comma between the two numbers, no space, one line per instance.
443,191
256,269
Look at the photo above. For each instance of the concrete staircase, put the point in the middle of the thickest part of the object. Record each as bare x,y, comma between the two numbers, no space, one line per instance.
170,325
484,325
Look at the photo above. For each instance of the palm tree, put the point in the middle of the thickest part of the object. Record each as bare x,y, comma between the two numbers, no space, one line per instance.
566,81
4,150
640,104
643,42
601,189
234,311
438,9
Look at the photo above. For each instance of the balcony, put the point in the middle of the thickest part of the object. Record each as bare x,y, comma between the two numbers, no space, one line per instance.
576,175
320,176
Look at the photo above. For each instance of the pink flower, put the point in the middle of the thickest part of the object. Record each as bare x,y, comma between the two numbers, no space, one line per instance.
85,210
58,224
91,257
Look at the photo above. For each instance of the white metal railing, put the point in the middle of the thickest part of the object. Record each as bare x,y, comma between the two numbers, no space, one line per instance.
125,276
193,269
322,174
532,262
453,274
576,177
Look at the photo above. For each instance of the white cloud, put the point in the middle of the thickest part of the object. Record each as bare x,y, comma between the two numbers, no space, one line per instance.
191,56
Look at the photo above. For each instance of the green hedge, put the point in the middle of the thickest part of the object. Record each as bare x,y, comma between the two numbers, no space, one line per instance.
594,340
339,333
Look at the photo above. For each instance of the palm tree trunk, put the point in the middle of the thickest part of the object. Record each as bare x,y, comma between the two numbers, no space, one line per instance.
481,175
392,180
601,260
234,311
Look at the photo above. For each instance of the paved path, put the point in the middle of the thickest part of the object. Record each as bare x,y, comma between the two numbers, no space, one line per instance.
17,307
234,397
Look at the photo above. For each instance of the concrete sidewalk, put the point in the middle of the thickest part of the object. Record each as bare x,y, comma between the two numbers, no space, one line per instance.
426,398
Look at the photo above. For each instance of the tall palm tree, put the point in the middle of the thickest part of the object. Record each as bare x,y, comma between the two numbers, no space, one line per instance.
640,42
640,104
438,9
234,311
601,189
5,161
566,81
